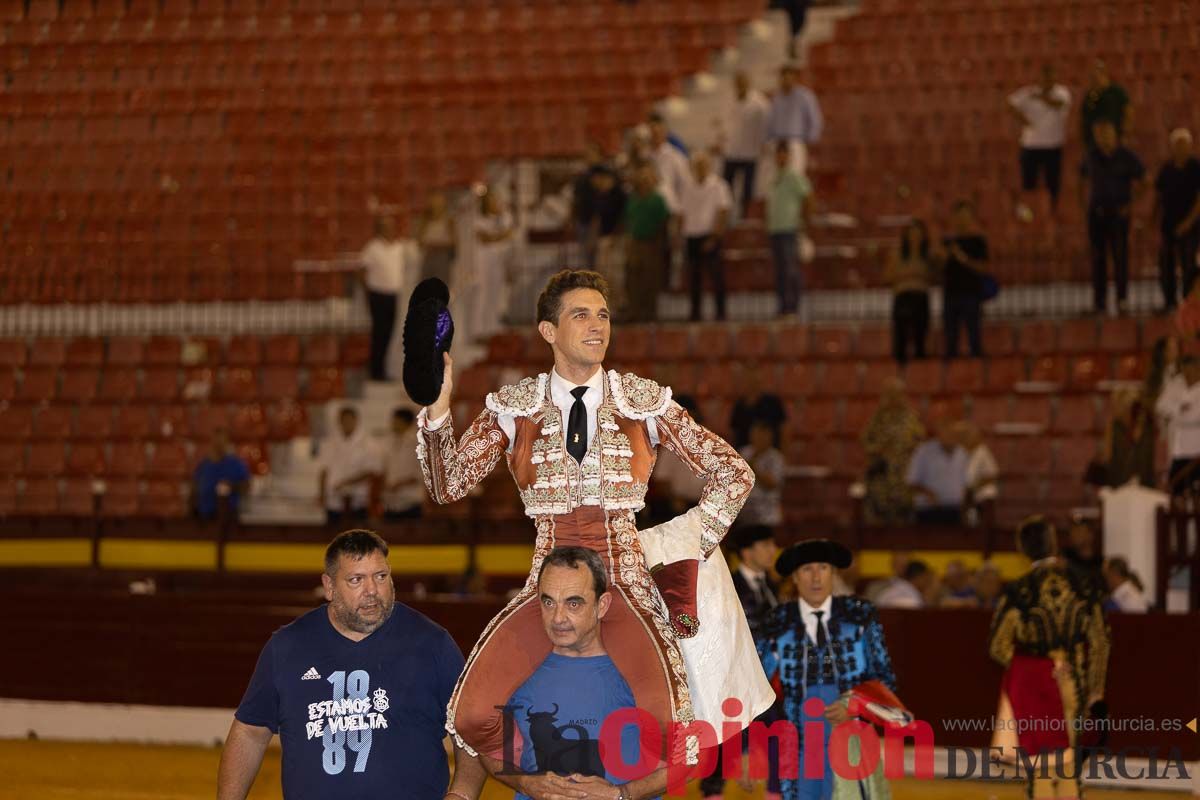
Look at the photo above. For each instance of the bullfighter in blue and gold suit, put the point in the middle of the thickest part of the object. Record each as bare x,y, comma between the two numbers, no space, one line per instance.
823,646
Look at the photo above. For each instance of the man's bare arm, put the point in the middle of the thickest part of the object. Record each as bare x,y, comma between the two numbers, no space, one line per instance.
241,757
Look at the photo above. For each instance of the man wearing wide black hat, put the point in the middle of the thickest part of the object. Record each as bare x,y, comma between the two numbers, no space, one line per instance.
824,647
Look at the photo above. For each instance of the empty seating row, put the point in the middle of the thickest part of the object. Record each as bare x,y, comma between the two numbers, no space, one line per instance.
100,423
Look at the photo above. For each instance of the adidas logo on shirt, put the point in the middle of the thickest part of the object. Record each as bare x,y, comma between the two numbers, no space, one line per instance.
311,675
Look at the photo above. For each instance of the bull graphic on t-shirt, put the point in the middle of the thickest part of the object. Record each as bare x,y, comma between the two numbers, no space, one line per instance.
557,752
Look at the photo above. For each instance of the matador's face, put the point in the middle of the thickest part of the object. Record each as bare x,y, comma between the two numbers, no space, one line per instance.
583,329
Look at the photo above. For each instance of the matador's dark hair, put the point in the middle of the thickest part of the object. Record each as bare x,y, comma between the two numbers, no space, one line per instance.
549,303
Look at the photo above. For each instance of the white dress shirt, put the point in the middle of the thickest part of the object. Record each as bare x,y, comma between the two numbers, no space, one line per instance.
900,594
747,127
1179,406
560,395
400,465
343,457
1129,599
810,620
757,580
385,267
674,173
1047,126
701,203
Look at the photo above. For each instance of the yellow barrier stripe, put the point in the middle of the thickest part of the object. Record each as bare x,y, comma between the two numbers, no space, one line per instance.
157,554
45,552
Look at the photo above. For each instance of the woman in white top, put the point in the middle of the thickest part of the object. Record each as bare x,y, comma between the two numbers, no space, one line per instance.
494,235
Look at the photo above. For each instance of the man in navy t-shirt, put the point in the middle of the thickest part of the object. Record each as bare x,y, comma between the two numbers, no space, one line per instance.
559,711
220,474
357,691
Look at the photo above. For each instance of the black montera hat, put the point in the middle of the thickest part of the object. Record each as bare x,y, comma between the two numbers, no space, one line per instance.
428,332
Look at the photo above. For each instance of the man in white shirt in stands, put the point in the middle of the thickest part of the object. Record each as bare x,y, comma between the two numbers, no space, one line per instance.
403,484
911,589
1042,110
672,165
383,276
1179,407
350,464
746,136
704,211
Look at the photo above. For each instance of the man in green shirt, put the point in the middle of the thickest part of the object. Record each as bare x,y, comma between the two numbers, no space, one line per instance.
646,217
1104,101
788,210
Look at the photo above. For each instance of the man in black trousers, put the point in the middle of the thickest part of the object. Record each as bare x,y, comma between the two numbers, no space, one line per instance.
1111,175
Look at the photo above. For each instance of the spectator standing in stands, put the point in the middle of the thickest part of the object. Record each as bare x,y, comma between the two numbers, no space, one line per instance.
350,465
220,477
1177,210
608,213
675,487
403,485
674,173
937,476
1042,109
789,210
1111,176
963,257
909,274
746,131
795,117
1105,101
704,208
1126,593
495,234
1179,408
982,475
437,238
797,11
989,585
383,277
764,506
891,436
361,645
582,206
647,224
1129,440
911,590
755,405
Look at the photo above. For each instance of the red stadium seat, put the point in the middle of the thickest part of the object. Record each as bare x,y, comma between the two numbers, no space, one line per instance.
8,385
752,342
8,497
998,340
38,497
93,422
12,458
832,343
208,419
1087,372
126,351
133,422
279,383
48,352
86,458
46,458
1049,369
38,385
874,342
284,349
286,420
1031,410
877,376
79,385
323,385
987,412
1119,335
255,456
839,379
671,344
923,377
85,353
321,351
236,386
249,422
1075,414
355,348
856,415
820,418
162,499
12,353
52,422
796,379
1005,373
170,460
163,351
171,421
712,343
965,376
118,385
1078,336
1130,368
1074,455
160,385
243,351
77,498
792,342
126,459
120,499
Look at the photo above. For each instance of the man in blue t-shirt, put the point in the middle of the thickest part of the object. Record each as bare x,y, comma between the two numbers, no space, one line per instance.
357,692
559,711
219,474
